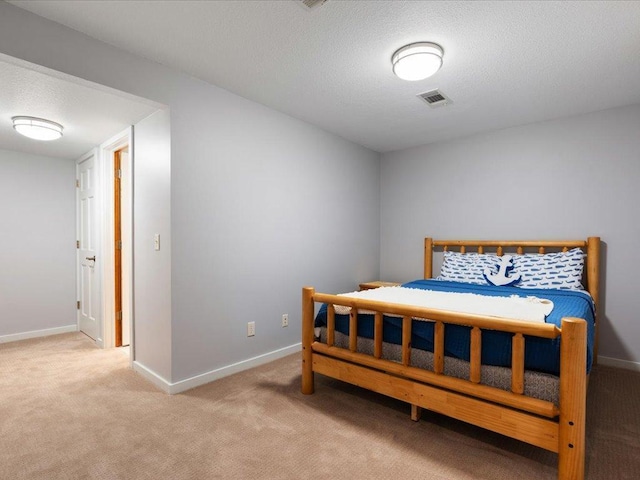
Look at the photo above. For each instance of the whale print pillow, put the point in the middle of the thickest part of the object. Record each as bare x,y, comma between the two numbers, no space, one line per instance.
467,267
551,270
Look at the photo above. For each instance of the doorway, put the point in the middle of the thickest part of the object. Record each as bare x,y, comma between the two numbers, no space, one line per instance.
117,157
92,113
122,262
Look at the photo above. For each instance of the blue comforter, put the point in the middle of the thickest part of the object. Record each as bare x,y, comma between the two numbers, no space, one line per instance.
541,354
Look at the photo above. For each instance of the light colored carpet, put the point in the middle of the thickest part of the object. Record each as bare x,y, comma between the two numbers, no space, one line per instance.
69,410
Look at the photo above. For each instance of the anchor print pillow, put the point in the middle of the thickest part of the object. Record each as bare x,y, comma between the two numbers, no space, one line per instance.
506,276
467,267
551,270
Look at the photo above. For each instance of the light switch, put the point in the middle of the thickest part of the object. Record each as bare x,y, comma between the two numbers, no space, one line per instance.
156,241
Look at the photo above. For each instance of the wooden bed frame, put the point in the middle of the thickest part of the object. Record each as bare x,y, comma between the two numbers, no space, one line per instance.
560,429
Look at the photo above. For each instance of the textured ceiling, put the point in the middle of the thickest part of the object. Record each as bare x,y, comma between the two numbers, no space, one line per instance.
505,63
90,114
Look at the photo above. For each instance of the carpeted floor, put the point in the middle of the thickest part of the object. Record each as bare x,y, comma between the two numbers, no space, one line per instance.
69,410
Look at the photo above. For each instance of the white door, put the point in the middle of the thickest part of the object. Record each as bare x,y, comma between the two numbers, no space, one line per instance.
89,294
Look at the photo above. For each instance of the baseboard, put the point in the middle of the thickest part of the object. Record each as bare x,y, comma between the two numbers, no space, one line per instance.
616,362
14,337
204,378
208,377
152,377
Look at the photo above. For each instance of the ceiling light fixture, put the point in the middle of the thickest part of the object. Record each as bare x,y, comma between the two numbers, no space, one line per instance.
417,61
37,128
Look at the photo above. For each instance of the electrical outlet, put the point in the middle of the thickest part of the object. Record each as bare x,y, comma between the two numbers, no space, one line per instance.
285,320
251,329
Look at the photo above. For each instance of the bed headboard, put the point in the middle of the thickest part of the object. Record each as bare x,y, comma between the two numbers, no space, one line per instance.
591,247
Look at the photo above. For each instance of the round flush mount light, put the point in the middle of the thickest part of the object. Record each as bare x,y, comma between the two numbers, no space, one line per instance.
417,61
37,128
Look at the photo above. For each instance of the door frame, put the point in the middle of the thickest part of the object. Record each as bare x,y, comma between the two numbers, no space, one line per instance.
107,151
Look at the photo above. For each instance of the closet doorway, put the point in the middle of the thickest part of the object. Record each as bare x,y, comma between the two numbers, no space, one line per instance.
122,218
118,221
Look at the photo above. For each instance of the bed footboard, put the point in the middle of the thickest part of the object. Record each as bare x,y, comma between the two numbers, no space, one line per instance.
573,399
560,428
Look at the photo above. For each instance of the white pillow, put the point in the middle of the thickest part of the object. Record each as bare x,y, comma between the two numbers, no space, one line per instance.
467,267
551,270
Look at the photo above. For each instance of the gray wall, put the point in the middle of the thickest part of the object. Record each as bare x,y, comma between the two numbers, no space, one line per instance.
260,204
37,243
568,178
151,216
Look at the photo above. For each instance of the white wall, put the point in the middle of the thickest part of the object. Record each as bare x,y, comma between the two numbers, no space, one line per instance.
568,178
261,204
152,215
37,244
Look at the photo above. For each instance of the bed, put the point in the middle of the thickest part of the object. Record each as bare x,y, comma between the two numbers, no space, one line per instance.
526,379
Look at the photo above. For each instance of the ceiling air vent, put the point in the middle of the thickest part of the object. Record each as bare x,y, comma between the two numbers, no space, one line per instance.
435,98
310,4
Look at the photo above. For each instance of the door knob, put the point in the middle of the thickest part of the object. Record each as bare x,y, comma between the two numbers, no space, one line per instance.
91,258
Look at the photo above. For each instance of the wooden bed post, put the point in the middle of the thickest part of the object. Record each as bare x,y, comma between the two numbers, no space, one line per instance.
428,257
573,402
593,283
307,339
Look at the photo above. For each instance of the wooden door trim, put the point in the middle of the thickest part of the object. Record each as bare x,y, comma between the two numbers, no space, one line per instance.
117,234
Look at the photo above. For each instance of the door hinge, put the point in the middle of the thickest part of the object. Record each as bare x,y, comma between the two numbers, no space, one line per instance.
119,173
119,244
78,304
77,183
77,243
119,315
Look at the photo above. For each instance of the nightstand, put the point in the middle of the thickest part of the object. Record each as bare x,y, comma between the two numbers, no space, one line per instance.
377,284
